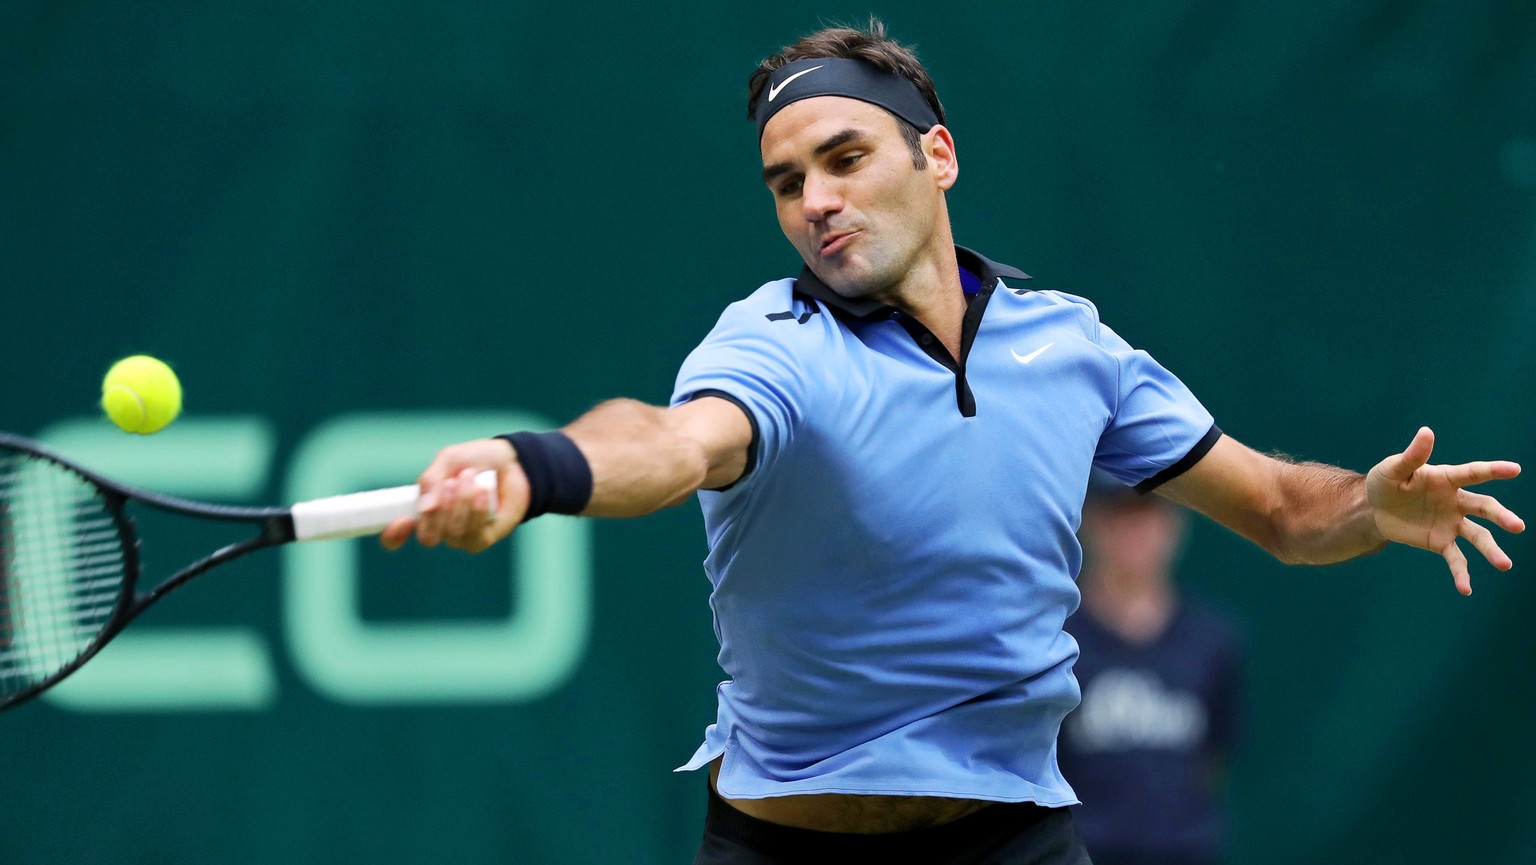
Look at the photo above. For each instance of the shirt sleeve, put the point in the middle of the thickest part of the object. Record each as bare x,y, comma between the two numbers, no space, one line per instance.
752,364
1158,429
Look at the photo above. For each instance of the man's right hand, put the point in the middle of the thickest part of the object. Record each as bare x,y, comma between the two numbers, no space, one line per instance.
456,512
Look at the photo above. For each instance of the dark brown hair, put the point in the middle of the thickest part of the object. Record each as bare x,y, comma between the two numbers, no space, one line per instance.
871,45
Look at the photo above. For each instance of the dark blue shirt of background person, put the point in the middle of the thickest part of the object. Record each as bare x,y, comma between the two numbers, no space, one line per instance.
1147,748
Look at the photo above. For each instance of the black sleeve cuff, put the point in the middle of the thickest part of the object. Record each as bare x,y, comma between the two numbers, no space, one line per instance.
751,419
1184,464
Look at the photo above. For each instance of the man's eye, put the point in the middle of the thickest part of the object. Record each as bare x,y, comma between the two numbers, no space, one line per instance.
849,160
789,188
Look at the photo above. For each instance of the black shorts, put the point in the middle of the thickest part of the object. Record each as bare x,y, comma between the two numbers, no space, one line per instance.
1006,833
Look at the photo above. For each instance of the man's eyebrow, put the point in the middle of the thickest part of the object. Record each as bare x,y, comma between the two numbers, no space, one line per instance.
832,143
775,170
838,140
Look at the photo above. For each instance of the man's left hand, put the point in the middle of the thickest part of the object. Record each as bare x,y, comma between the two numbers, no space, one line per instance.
1426,506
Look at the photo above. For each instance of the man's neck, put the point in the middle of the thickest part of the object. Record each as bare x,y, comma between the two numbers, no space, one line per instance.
932,294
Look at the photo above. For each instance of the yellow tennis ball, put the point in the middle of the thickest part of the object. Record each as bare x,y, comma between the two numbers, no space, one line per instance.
141,394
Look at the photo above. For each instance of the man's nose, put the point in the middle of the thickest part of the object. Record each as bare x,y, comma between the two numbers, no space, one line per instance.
820,197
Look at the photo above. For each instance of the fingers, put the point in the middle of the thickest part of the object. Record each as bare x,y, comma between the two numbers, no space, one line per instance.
1467,474
480,454
397,533
1485,543
459,520
443,466
1458,564
463,515
452,510
1488,508
1400,467
465,512
435,509
458,500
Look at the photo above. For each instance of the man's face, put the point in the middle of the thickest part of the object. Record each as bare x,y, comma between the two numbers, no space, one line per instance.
848,195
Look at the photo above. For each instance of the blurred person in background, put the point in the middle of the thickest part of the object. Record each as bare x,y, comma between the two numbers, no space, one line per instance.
1147,749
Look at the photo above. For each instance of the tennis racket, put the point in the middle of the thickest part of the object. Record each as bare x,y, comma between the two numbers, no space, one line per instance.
69,555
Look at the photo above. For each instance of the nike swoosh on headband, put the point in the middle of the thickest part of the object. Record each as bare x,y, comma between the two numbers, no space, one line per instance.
774,90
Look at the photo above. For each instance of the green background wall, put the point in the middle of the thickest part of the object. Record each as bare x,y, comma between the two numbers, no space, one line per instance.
1322,215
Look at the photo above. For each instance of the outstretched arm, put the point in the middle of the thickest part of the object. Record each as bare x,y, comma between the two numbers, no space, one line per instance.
1316,514
643,458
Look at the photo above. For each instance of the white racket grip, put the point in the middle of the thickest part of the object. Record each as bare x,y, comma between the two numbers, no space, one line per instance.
357,514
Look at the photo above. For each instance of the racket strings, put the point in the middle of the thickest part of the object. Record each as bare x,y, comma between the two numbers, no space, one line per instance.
62,567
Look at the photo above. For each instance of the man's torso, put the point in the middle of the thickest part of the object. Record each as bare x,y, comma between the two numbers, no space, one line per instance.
890,583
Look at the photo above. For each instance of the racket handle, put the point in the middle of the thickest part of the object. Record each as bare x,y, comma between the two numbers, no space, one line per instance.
356,514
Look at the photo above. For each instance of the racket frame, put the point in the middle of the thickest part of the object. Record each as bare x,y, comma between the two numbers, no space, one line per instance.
276,528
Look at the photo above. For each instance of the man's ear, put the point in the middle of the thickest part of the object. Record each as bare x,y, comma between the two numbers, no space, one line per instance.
939,147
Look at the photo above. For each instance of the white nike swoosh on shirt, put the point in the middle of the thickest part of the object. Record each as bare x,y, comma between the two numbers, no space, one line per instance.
774,91
1026,358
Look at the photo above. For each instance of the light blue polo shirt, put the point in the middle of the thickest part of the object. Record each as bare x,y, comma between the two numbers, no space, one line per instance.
892,573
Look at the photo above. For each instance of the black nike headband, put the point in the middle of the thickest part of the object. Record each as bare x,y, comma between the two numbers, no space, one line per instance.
837,76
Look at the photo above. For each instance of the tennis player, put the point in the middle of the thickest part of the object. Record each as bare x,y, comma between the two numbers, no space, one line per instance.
891,452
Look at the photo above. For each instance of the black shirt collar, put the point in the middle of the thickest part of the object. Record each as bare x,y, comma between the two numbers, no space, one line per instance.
808,283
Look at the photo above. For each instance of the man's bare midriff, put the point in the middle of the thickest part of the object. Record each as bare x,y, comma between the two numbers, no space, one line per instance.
842,812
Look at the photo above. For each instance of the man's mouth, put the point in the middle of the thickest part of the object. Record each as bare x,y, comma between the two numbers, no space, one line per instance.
835,242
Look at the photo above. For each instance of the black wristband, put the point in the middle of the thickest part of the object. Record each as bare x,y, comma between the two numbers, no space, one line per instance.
559,477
